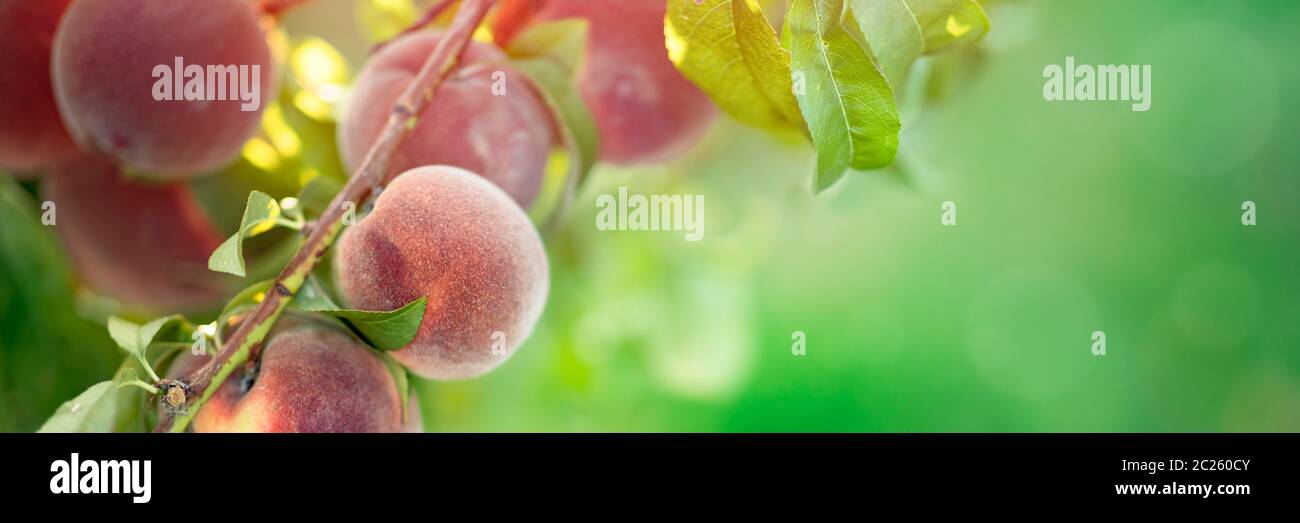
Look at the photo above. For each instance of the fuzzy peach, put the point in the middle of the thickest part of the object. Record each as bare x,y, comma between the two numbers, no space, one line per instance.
449,235
647,111
110,91
484,118
144,244
32,135
311,377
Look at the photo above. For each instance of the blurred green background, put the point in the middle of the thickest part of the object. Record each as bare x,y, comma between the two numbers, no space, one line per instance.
1071,218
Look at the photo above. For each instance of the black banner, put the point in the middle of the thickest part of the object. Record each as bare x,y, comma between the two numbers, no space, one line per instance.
1013,470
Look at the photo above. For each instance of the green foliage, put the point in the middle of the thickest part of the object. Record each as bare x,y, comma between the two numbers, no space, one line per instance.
88,412
848,104
895,36
136,339
385,331
946,23
47,352
107,406
250,296
316,195
900,31
823,77
259,216
731,52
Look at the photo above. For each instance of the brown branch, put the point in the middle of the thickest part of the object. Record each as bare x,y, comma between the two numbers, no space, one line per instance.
373,175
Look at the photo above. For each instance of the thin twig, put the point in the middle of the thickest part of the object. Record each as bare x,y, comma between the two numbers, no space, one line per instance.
372,175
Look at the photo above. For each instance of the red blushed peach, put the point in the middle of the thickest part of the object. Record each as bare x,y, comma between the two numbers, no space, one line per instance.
646,110
449,235
144,244
107,85
31,135
311,377
494,126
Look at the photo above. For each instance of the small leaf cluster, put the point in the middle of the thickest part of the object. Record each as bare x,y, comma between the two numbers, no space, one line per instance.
831,73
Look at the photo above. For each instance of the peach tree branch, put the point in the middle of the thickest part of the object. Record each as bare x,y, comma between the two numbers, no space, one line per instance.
235,352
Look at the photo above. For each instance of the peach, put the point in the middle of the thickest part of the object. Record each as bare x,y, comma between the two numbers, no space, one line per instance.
504,134
447,234
311,377
647,111
32,135
146,245
104,61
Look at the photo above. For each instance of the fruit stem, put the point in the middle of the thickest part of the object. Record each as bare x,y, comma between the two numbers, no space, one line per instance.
372,175
137,383
296,225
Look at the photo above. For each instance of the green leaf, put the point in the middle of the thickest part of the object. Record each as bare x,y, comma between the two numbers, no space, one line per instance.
316,195
385,331
312,297
129,413
847,103
91,411
893,34
728,49
260,215
135,339
949,22
900,31
107,406
125,334
150,331
251,295
48,351
550,56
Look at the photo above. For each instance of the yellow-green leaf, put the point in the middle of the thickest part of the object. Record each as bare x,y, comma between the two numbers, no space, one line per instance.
900,31
261,214
949,22
727,48
893,34
846,101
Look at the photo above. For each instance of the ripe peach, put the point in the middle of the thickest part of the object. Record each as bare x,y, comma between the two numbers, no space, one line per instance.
32,135
646,110
106,82
445,233
311,377
506,137
144,244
